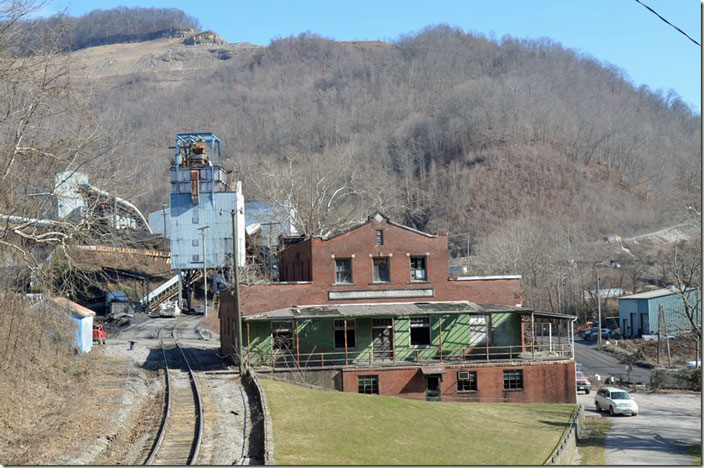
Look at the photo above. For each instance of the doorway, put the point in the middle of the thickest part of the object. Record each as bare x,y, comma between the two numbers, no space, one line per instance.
382,339
432,388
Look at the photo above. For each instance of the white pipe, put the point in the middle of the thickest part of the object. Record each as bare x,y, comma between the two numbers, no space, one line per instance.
124,202
32,221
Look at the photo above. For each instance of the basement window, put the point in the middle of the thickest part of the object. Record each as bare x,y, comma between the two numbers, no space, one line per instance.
420,331
282,336
340,334
368,384
343,270
466,381
513,379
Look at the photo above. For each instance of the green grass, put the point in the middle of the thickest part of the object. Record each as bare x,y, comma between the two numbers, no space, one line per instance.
591,447
696,452
316,427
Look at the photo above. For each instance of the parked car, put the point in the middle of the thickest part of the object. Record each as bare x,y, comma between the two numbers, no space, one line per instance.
694,364
583,384
591,334
615,401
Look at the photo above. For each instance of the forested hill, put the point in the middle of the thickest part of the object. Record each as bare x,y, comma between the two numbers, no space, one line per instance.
100,27
443,130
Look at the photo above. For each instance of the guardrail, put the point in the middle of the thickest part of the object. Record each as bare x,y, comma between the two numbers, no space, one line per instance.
428,354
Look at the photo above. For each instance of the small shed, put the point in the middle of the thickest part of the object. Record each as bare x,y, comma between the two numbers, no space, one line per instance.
83,318
639,314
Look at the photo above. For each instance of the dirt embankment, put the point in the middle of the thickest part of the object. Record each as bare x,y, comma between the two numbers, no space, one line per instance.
646,354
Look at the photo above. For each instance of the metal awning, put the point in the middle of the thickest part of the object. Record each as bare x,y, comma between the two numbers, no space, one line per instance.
384,309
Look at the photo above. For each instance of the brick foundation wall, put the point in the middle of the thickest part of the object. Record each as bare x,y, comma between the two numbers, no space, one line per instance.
543,382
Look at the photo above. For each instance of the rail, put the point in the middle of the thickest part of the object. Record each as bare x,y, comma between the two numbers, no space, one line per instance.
287,358
169,425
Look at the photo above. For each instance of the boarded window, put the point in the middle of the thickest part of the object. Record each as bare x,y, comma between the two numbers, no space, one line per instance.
513,379
466,381
368,384
282,336
381,270
343,270
418,270
420,331
340,334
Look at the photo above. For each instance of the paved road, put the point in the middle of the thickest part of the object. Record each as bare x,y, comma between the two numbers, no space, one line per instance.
604,364
659,435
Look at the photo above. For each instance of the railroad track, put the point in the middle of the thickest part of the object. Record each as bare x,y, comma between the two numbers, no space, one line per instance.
178,439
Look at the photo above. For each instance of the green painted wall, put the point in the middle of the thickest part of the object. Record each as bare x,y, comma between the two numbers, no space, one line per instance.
316,336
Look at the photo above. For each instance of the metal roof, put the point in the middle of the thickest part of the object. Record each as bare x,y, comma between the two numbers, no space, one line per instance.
390,309
650,294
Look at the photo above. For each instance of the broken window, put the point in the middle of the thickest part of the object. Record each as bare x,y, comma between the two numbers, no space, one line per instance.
343,270
381,270
420,331
466,381
418,271
513,379
380,237
368,384
340,334
282,336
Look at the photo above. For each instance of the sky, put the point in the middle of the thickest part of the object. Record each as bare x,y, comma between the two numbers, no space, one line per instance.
620,32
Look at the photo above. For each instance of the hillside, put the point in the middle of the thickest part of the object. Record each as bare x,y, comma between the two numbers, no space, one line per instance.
448,131
525,152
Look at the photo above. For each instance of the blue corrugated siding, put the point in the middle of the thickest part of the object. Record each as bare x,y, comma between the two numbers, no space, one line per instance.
186,218
646,309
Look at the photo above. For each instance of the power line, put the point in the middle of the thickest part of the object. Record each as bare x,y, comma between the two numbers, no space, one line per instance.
658,15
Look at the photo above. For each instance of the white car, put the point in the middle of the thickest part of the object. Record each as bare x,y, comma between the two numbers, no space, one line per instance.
615,401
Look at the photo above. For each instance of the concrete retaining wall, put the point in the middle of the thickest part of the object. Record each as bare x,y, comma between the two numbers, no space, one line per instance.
565,451
252,381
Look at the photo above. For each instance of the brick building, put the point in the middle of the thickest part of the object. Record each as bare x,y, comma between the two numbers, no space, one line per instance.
374,310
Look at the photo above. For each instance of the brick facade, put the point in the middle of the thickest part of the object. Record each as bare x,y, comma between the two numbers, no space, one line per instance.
543,382
309,278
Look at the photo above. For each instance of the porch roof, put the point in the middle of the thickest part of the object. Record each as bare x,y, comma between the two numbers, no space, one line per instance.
392,309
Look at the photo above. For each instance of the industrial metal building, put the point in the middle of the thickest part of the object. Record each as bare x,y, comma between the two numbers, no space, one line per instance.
639,314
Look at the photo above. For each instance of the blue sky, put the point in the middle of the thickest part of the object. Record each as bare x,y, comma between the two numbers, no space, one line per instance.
621,32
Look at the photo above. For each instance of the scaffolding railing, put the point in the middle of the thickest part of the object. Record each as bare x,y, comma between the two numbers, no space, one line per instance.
293,358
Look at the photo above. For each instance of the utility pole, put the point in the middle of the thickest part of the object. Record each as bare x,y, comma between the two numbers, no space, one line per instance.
598,308
235,269
163,211
205,270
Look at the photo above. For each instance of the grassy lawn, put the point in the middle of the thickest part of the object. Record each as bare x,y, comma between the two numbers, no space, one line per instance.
592,447
696,452
316,427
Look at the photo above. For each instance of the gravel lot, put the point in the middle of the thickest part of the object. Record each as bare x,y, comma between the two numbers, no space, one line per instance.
134,398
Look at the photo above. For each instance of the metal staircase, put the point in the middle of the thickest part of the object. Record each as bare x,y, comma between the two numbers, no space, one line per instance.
166,291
